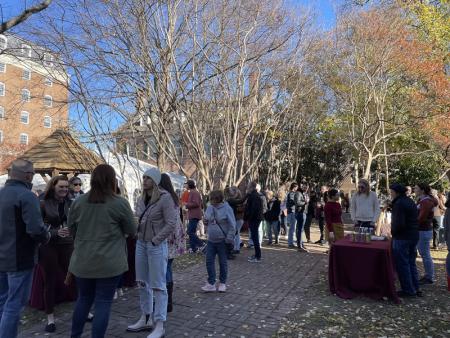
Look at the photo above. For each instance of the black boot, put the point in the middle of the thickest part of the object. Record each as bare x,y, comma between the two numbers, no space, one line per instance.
169,293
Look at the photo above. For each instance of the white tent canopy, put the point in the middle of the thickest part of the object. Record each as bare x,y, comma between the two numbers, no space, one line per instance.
129,174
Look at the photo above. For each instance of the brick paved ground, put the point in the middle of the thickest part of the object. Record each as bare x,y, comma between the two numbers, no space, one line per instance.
258,297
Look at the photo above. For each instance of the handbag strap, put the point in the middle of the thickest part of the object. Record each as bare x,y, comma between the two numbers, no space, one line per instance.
214,212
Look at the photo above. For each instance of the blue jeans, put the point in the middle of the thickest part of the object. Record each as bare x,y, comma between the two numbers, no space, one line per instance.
237,238
292,221
254,227
274,229
425,238
194,241
219,249
15,290
300,222
97,291
405,254
151,270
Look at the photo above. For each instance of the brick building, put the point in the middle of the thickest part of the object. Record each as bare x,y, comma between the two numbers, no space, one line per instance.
33,96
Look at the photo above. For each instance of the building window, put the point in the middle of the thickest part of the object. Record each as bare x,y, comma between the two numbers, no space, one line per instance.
2,113
48,101
48,82
26,95
2,68
26,74
2,89
47,122
3,42
48,60
23,139
25,117
26,50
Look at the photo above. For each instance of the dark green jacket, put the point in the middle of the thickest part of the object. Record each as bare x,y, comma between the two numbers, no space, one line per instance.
100,249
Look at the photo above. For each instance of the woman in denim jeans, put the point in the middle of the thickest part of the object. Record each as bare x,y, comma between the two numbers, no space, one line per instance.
158,216
221,223
425,205
99,222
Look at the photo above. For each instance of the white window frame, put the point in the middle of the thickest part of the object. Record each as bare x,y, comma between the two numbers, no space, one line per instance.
2,113
5,42
48,82
49,62
27,114
26,50
46,97
20,139
3,92
26,71
3,70
50,119
28,99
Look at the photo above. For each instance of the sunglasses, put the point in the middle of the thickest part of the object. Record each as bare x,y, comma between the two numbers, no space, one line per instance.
77,184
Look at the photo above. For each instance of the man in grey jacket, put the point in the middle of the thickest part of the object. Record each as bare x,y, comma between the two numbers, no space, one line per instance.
21,230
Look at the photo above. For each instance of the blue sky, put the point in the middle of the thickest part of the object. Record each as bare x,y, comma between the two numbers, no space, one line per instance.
324,8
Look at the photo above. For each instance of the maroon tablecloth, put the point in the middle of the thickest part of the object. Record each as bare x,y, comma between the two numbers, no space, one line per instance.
362,269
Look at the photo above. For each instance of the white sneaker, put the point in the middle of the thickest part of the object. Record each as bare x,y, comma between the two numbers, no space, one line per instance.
158,332
222,287
120,292
209,288
141,325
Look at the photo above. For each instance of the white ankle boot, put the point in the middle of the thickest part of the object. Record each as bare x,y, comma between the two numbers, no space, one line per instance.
141,325
158,332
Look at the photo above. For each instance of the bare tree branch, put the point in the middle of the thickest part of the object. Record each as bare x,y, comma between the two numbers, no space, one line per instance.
5,26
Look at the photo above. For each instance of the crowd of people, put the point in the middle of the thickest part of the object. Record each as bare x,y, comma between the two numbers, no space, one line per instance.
85,237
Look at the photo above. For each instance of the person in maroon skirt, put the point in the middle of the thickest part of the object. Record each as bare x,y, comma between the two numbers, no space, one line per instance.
54,257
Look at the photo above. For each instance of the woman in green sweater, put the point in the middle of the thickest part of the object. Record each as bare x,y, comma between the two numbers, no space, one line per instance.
99,221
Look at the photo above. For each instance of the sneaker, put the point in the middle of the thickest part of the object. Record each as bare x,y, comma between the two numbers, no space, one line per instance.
141,325
320,241
209,288
291,246
50,328
254,259
302,249
425,280
120,292
222,287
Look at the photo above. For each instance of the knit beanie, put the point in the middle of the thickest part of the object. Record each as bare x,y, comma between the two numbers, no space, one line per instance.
154,174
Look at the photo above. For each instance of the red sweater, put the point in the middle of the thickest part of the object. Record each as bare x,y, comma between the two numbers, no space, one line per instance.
333,214
426,214
194,204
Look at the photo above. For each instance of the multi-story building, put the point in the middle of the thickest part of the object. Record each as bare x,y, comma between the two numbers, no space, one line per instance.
33,96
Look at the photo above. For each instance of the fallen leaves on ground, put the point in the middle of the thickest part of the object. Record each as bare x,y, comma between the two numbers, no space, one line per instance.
321,314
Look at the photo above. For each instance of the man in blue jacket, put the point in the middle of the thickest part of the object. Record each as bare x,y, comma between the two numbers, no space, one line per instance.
21,230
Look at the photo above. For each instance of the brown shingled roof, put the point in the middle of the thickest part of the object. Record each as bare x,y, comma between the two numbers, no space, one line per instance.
61,152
